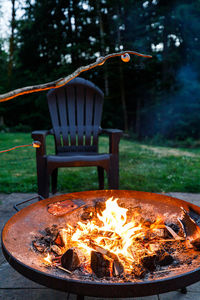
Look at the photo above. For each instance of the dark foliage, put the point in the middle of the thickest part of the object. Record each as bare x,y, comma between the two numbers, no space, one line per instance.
147,97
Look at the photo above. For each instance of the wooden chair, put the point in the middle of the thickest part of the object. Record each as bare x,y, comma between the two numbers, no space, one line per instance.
75,111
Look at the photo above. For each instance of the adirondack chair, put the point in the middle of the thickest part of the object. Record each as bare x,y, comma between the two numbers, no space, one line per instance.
75,111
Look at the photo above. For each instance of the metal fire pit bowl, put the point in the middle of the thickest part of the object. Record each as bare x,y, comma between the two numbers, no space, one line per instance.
19,231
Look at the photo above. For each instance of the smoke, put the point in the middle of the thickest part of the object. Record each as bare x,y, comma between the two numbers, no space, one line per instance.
177,116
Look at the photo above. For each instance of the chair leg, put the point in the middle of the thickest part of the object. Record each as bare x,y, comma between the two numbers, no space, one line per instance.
54,179
43,186
101,177
113,174
42,179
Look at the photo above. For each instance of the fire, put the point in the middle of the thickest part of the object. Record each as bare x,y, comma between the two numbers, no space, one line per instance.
48,260
117,241
110,232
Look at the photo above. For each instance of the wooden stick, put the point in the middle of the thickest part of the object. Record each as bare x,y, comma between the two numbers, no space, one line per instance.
63,269
168,270
62,81
103,251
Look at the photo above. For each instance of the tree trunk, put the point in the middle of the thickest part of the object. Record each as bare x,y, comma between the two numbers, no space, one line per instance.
11,43
102,45
121,75
137,123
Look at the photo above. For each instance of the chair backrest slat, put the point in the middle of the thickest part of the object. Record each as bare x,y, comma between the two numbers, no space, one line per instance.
80,97
88,116
54,118
71,113
63,116
97,117
75,111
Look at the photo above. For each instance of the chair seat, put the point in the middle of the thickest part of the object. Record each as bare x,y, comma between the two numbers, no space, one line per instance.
78,159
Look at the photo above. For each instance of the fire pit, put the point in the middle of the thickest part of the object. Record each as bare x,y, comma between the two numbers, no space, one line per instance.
145,244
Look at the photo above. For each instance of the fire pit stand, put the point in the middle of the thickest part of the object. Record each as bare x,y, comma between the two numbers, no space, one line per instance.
18,231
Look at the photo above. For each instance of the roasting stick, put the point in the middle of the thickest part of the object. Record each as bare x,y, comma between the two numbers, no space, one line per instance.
61,81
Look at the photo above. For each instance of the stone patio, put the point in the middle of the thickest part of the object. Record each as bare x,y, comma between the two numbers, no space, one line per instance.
14,286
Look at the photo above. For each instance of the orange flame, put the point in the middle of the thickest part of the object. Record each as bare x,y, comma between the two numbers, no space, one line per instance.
112,233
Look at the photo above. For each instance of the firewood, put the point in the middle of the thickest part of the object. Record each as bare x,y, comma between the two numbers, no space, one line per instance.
173,233
149,262
59,240
51,232
103,251
191,229
63,269
40,247
70,260
100,265
160,232
117,268
139,271
163,258
196,244
56,250
154,247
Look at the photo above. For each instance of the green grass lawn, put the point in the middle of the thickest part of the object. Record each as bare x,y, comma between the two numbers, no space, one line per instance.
142,167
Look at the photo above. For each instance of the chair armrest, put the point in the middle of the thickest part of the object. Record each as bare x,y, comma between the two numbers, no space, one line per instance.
114,139
40,135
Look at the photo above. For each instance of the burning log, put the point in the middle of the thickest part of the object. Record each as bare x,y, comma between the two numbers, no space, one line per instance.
164,258
149,262
191,230
59,240
100,265
196,244
173,233
154,247
139,271
117,268
56,250
70,260
103,251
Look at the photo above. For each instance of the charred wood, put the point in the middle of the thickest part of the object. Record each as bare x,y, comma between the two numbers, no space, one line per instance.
38,246
100,265
70,260
59,240
56,250
117,268
139,271
196,244
191,229
103,251
163,258
149,262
